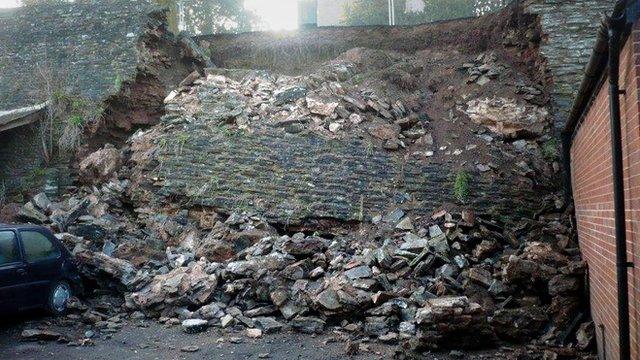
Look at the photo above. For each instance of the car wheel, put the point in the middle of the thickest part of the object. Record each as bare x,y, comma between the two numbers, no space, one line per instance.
60,293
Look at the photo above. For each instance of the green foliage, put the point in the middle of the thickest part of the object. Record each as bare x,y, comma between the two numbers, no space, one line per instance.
117,82
34,178
68,116
551,149
489,6
162,143
76,120
461,186
183,138
210,16
366,12
412,12
370,148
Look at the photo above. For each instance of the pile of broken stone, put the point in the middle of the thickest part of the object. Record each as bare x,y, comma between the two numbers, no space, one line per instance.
322,103
451,280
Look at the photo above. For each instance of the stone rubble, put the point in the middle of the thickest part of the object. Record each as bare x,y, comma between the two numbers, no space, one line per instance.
452,278
455,280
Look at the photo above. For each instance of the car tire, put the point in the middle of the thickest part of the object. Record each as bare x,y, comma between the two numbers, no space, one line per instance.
60,292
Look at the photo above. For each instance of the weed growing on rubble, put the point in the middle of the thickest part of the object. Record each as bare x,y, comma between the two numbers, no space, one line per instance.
370,148
162,143
74,113
461,185
182,141
550,150
117,83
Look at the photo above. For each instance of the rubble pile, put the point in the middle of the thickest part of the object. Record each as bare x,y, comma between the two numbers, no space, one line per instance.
329,202
341,99
370,126
452,280
99,317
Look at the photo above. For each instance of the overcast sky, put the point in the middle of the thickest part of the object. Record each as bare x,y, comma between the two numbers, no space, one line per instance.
9,3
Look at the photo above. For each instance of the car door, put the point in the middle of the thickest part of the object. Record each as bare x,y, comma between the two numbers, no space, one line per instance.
43,263
13,275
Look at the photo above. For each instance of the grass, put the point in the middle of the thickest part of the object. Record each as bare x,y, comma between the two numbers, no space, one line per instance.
182,141
33,179
76,120
370,148
117,82
461,185
551,150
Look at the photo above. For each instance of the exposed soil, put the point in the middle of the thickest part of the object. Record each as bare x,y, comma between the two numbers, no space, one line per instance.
164,61
299,51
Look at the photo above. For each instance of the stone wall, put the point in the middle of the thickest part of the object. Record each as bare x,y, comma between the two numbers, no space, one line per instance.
20,157
86,49
115,57
305,177
91,44
569,32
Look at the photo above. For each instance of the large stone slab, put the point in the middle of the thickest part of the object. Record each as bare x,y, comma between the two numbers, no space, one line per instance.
290,178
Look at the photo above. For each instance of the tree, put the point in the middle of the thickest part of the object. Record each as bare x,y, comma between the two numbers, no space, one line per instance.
412,12
366,12
209,16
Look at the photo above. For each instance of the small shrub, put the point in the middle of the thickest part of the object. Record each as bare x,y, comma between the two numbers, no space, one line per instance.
117,82
461,186
76,120
551,150
67,113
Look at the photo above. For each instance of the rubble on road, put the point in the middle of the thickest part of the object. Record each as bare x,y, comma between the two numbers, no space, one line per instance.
40,335
193,326
454,280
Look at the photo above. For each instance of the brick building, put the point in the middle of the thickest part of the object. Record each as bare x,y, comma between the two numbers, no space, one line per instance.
588,134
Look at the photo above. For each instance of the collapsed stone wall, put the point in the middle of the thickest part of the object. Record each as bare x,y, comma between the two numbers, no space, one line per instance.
93,42
192,218
309,177
116,56
561,43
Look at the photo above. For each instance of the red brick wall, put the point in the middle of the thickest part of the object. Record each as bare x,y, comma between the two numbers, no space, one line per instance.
593,196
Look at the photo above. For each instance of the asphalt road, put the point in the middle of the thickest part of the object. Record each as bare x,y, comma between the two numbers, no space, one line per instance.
155,341
151,340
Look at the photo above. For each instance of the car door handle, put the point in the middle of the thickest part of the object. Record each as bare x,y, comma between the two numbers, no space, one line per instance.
22,272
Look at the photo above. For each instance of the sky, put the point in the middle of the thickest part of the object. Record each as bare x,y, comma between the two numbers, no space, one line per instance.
9,3
276,14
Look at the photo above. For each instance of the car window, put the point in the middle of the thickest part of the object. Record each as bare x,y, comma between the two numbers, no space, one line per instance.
9,252
37,246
